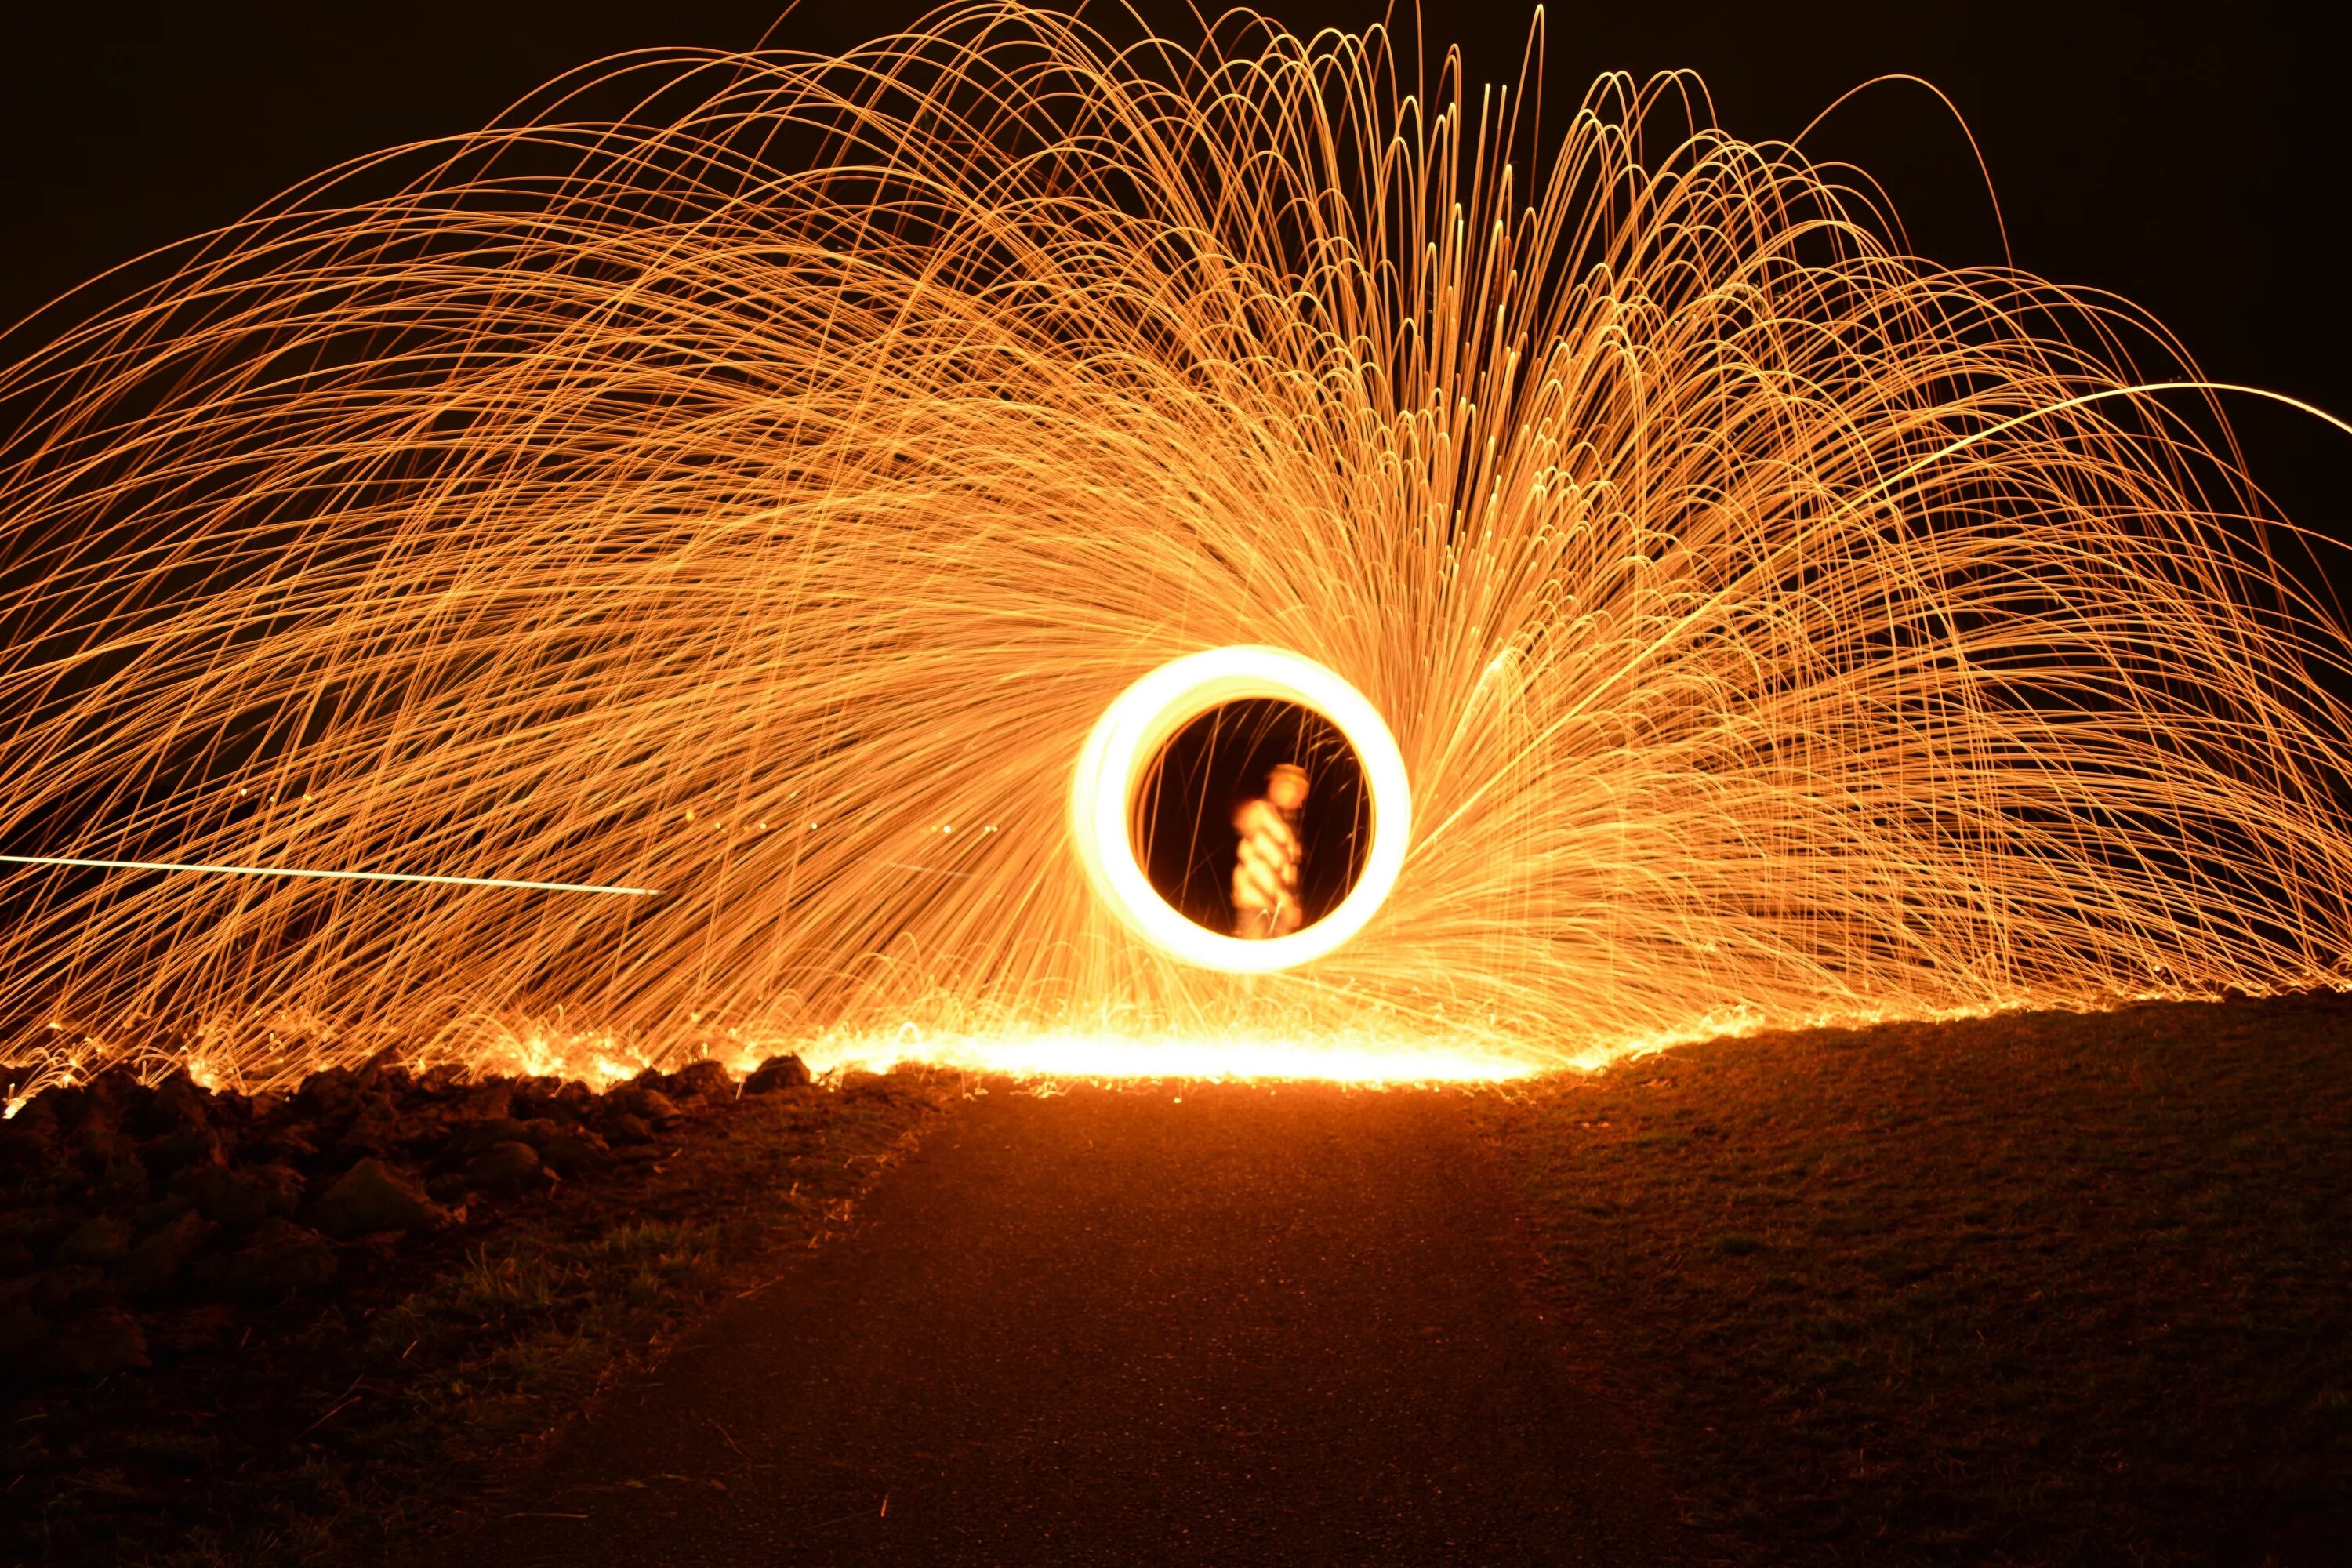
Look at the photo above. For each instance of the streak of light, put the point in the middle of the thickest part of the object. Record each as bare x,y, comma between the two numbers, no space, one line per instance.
1085,1055
331,876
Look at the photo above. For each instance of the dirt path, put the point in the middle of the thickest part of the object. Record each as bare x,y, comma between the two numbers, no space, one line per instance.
1242,1326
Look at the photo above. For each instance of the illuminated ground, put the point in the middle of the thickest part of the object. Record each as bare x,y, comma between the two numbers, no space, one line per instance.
1232,1325
2029,1290
1268,1057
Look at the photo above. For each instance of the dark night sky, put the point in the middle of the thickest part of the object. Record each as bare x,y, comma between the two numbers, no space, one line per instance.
2189,157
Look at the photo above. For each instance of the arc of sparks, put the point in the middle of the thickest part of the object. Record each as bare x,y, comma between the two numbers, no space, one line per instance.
418,877
1774,626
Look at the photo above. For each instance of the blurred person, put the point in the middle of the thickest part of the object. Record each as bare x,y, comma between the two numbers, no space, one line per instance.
1265,874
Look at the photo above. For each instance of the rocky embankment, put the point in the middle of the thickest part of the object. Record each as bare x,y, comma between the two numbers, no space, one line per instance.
322,1329
139,1223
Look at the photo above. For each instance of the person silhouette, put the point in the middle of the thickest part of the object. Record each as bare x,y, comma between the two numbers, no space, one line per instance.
1266,872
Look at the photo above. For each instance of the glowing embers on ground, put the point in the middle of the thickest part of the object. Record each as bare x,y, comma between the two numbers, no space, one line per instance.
1079,1055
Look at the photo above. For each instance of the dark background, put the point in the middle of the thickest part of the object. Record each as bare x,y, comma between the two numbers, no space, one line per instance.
2190,157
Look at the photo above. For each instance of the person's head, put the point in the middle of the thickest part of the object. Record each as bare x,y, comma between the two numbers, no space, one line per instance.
1287,786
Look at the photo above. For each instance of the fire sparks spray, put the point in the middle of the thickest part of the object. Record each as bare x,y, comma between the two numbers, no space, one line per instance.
758,490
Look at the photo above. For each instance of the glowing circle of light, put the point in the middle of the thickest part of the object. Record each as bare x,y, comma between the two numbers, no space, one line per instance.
1146,715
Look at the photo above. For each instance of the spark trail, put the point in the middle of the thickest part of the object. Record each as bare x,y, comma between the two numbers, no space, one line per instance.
751,476
417,878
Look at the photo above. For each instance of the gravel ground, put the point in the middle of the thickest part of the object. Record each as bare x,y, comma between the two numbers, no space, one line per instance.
1220,1325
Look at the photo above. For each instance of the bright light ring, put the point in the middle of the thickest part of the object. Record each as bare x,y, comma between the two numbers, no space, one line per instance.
1129,735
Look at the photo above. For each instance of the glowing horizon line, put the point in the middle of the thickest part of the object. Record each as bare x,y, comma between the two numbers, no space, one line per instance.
333,876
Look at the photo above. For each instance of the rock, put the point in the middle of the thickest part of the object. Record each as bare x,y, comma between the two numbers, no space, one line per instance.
702,1080
283,1187
425,1124
157,1261
370,1197
153,1216
508,1168
326,1094
635,1100
568,1153
471,1138
279,1258
778,1073
626,1128
173,1150
122,1185
486,1102
377,1130
242,1199
175,1105
96,1244
377,1119
108,1341
384,1071
187,1099
281,1142
440,1078
534,1095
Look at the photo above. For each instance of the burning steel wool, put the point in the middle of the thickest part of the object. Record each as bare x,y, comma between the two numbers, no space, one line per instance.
753,482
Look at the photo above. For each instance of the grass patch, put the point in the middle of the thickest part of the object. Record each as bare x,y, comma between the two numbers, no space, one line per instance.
2029,1290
